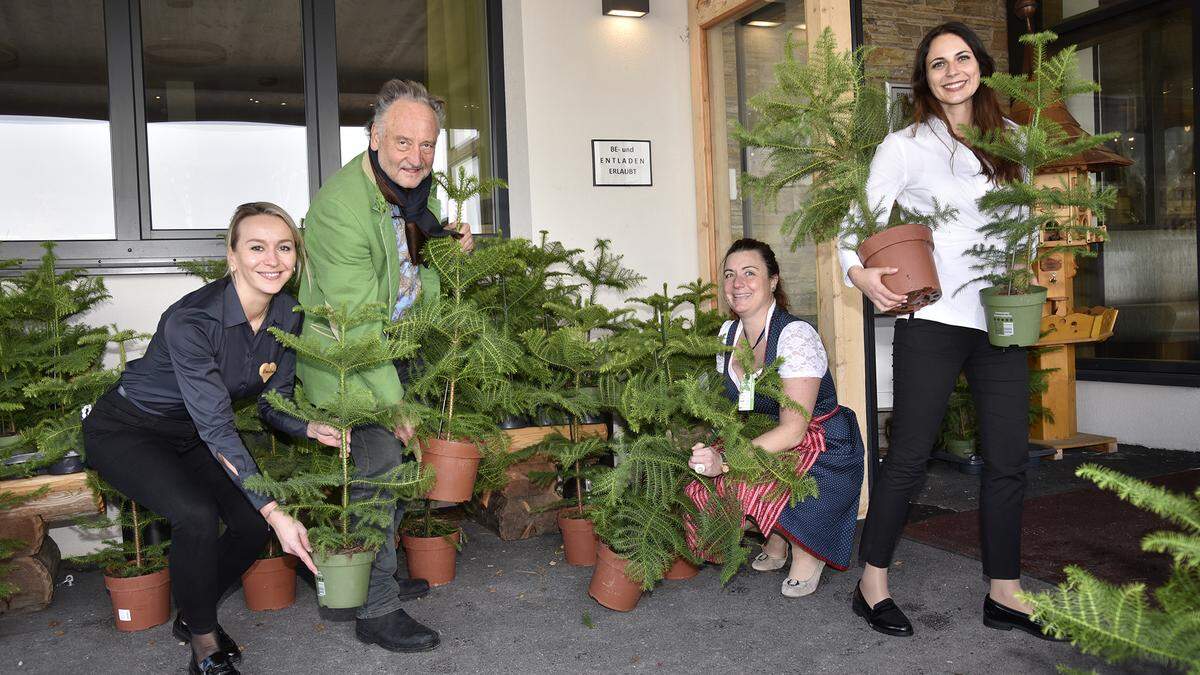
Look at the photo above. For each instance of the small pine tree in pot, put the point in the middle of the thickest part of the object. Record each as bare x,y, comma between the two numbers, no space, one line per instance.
1021,209
822,121
345,533
135,573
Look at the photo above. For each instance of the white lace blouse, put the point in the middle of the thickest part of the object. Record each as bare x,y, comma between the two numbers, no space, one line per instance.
799,346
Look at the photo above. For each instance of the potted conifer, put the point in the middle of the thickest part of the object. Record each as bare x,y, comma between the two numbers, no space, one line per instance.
822,122
135,573
345,534
1021,210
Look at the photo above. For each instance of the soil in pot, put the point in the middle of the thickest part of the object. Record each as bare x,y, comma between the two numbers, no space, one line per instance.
579,538
1013,320
343,578
610,587
681,569
270,583
431,558
140,602
455,465
909,248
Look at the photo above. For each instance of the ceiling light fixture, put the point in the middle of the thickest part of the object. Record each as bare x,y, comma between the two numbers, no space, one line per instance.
631,8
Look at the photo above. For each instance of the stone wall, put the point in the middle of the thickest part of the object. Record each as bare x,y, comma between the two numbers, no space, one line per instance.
894,27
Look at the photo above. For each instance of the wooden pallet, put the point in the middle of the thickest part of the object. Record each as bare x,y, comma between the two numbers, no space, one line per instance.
1086,442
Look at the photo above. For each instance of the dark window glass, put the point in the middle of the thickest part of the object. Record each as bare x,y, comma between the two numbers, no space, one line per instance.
224,88
56,174
441,43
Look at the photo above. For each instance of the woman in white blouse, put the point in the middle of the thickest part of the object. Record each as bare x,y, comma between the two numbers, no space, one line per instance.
915,166
819,530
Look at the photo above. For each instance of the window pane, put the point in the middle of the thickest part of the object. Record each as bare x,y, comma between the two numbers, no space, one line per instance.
742,58
1147,268
224,109
441,43
1054,11
56,173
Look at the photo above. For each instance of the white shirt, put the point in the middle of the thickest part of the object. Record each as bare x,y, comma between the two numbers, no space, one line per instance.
914,166
799,348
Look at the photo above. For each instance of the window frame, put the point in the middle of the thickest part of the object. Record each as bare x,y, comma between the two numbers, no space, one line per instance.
1091,24
138,248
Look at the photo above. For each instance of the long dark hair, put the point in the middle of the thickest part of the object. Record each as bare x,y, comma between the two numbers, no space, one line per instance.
768,256
986,113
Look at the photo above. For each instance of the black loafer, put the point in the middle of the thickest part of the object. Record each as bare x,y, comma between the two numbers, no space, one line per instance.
996,615
885,617
225,643
216,663
411,589
396,632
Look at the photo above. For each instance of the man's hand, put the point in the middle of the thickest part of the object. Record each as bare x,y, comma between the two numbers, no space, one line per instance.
870,281
404,432
705,460
467,240
292,535
326,435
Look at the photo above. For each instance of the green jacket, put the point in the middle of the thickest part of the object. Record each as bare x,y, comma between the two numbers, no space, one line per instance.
353,259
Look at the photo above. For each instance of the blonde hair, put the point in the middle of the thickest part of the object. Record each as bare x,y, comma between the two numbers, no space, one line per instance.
264,209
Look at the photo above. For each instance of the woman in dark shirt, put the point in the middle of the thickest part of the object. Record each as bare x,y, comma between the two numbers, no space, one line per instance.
165,435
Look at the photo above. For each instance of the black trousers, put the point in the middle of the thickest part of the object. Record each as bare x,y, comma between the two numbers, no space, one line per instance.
926,359
163,464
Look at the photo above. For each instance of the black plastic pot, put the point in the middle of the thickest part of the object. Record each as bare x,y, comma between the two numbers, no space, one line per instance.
71,463
514,422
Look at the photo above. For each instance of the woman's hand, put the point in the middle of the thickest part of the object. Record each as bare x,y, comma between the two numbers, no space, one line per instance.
869,280
466,240
292,535
326,435
705,460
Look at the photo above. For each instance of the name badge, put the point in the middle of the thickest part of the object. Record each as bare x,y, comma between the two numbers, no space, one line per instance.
746,395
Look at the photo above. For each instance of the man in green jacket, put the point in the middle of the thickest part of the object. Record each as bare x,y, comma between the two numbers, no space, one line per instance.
363,234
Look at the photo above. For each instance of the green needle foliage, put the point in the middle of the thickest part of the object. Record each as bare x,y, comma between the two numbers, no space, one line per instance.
123,558
603,271
461,189
339,525
821,121
1021,209
1125,623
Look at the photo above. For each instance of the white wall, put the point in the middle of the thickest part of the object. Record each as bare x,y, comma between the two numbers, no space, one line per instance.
1156,417
572,75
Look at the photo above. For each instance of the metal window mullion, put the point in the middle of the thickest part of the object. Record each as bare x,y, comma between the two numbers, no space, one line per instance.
122,120
321,116
137,98
499,116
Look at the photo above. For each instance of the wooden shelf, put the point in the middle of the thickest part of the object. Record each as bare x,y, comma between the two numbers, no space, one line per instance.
1091,325
526,436
1080,441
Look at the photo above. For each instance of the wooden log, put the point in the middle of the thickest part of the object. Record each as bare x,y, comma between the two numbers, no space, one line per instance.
68,497
34,575
516,518
26,527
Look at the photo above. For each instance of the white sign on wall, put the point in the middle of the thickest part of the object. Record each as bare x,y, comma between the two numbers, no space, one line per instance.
621,162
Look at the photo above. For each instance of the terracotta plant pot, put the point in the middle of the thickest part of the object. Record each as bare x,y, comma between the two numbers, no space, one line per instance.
140,602
610,587
343,578
681,569
454,464
908,248
1013,320
270,583
579,538
431,558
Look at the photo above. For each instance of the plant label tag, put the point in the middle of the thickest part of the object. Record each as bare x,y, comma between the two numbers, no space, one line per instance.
320,586
746,395
1004,323
124,615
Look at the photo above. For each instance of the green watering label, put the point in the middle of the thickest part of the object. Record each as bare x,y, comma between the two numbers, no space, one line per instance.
1002,323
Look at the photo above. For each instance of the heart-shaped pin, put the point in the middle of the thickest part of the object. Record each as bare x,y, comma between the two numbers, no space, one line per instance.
266,370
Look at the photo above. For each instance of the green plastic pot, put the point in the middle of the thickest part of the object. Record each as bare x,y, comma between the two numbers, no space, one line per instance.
1013,320
961,447
343,578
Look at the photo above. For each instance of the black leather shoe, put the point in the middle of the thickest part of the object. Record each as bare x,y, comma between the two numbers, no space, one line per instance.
216,663
396,632
411,589
996,615
885,617
225,643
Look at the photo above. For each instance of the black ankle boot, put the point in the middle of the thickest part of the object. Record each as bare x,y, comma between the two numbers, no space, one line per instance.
996,615
224,643
396,632
411,589
216,663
